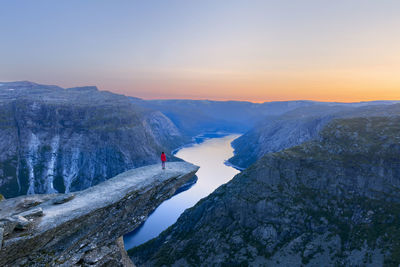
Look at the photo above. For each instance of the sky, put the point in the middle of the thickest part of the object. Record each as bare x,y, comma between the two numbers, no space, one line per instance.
342,50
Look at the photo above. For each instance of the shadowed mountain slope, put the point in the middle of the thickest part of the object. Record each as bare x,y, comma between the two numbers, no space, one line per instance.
61,140
292,128
334,201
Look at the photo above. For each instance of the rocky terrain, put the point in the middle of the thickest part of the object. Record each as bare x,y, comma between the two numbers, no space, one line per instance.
275,133
85,228
333,201
194,117
62,140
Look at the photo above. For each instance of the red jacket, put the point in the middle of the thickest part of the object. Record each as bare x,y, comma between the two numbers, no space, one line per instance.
163,158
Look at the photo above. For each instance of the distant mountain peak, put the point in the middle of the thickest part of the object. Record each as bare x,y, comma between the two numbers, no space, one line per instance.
26,86
18,83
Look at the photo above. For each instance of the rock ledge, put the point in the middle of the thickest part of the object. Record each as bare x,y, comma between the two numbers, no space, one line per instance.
90,222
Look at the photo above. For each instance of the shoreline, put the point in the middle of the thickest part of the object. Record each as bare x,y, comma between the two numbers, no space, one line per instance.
228,163
197,140
200,138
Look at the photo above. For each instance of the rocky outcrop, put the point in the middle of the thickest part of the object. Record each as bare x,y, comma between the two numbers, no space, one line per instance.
334,201
63,140
84,228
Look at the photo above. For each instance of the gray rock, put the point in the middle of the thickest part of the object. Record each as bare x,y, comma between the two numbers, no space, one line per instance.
22,204
96,255
8,225
265,233
21,222
1,236
87,229
37,212
30,201
62,199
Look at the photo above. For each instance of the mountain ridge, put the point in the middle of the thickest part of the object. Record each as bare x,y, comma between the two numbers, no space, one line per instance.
330,201
292,128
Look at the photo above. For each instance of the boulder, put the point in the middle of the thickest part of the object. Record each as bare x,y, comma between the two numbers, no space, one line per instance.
30,202
7,225
37,212
63,198
21,222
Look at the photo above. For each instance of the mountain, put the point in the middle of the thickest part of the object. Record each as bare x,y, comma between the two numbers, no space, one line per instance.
294,127
332,201
61,140
194,117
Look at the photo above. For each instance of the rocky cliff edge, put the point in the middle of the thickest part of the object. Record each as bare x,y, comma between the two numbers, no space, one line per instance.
84,228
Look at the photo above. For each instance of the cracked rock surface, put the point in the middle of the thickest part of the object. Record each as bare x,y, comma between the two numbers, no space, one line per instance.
85,229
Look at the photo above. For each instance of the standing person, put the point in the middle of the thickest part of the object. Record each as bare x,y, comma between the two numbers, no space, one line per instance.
163,160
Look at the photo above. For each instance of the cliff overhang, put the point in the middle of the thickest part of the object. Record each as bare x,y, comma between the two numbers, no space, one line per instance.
85,227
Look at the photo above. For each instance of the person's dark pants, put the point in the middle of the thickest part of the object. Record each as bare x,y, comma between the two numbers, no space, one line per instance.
163,164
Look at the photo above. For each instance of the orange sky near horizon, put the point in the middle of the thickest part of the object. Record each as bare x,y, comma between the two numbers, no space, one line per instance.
254,50
330,86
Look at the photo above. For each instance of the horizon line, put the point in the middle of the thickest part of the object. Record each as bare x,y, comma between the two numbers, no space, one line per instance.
208,99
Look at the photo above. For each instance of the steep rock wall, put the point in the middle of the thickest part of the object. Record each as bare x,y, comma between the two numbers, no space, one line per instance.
63,140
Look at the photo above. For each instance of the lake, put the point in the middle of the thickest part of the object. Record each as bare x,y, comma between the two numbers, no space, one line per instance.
210,155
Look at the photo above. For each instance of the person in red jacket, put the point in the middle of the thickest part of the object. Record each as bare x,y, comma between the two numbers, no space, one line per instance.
163,160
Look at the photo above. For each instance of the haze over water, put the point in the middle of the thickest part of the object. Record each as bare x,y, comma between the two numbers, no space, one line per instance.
210,156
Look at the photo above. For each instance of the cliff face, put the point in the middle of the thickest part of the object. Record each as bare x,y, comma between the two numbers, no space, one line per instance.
84,228
277,133
334,201
194,117
63,140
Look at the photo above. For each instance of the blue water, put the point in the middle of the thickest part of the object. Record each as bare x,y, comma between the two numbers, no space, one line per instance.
210,155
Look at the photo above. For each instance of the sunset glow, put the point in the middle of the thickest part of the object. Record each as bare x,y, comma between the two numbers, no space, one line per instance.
223,50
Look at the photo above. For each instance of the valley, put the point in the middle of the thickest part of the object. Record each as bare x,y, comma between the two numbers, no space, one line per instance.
319,181
210,156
